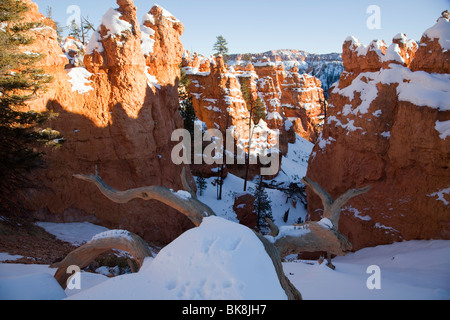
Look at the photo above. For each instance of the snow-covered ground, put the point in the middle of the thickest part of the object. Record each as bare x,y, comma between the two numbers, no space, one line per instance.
218,260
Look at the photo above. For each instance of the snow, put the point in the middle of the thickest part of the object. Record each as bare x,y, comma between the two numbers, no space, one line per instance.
349,126
152,81
386,134
95,43
420,88
74,233
322,143
295,164
326,223
440,31
79,79
148,40
413,270
25,288
148,17
113,234
184,194
216,261
443,127
441,195
289,231
356,213
111,20
410,270
7,256
224,260
168,15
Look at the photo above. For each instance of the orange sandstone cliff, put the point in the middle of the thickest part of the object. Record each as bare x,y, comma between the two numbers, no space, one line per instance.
117,113
388,126
293,103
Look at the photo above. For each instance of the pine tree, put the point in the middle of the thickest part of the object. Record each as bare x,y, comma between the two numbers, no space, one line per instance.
201,184
59,30
20,134
260,111
81,32
75,31
186,107
263,205
221,47
250,105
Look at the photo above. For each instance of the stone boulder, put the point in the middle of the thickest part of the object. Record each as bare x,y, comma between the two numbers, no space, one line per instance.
244,207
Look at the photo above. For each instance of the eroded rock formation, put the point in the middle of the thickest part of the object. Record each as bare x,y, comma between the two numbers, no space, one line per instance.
388,126
118,113
293,102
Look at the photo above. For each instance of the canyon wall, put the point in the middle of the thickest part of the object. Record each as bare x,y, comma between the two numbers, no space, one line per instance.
293,102
388,126
117,113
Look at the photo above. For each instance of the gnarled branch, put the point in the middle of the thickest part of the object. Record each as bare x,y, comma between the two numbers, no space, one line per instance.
317,236
332,208
189,206
115,239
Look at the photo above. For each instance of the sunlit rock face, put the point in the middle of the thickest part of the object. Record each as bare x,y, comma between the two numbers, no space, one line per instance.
388,126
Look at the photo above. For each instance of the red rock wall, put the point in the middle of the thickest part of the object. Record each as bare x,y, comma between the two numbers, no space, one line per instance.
286,94
382,130
123,125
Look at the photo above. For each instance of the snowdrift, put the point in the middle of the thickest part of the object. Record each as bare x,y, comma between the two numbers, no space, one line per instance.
216,261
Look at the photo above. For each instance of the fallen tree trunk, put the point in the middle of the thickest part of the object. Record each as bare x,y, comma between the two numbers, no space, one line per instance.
332,208
185,202
311,237
84,255
190,206
316,236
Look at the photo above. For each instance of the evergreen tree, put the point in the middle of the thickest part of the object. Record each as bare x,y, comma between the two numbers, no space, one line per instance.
75,31
250,105
186,108
221,47
260,111
263,205
59,30
201,184
81,32
20,132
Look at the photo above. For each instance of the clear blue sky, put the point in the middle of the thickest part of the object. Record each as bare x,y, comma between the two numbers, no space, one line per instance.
261,25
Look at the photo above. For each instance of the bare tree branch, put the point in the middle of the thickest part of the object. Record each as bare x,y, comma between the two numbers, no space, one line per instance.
332,208
327,200
84,255
191,207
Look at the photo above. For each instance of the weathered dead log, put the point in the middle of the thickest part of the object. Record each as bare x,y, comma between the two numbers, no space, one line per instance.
185,202
316,236
291,291
312,237
332,208
115,239
191,207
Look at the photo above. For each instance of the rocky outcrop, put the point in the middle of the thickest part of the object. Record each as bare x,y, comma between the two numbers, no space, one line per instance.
388,126
244,207
117,113
218,101
291,100
74,51
434,51
326,67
